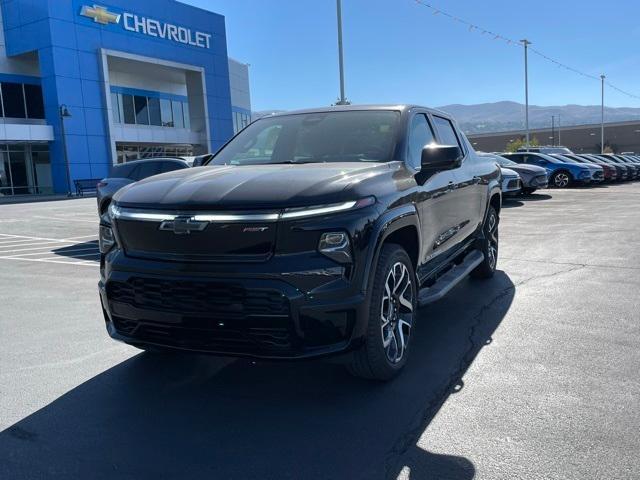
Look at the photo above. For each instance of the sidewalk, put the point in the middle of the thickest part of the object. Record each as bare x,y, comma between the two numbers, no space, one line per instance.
6,200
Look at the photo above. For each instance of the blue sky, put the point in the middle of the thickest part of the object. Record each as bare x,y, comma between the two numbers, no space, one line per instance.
398,51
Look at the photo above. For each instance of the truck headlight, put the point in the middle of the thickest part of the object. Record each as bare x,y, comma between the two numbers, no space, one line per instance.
106,239
336,246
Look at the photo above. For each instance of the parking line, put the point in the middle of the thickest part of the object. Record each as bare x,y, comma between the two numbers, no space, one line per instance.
83,263
24,238
44,242
63,219
2,252
46,253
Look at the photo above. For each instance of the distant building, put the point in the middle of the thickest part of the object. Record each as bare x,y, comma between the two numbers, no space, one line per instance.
619,136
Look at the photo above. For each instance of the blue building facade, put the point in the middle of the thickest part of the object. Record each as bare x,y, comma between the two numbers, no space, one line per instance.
121,79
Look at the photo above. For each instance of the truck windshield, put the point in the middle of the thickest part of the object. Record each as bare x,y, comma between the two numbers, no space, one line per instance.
347,136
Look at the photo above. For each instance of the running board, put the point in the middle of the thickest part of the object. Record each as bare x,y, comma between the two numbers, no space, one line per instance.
450,279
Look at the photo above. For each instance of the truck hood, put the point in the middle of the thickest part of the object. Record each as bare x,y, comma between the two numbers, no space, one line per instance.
255,186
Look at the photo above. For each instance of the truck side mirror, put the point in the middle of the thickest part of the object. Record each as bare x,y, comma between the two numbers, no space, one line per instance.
441,157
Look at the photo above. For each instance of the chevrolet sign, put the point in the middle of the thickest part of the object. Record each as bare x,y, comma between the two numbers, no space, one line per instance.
148,26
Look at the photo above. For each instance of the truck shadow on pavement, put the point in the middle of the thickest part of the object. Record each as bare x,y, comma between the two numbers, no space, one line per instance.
186,416
85,251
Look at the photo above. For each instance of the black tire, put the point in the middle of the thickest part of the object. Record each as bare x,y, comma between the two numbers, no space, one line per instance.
375,360
489,246
528,191
561,179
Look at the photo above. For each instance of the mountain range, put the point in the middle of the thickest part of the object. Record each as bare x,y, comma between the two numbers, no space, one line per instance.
506,116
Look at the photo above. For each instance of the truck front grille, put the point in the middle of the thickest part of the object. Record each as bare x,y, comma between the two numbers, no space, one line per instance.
215,299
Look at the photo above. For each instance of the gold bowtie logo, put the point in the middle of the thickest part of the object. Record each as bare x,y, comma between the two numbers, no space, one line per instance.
100,14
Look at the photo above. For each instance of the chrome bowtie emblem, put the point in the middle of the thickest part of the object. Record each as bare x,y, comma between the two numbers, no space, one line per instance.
183,225
100,14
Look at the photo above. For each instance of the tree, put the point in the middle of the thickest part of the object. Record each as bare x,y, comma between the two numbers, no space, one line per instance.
608,147
514,145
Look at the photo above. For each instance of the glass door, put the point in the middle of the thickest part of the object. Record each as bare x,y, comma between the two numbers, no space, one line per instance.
19,172
5,172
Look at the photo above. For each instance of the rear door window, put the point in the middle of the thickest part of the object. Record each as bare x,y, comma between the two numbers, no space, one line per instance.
446,132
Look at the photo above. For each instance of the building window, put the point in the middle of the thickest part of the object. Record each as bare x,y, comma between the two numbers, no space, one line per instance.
129,112
13,99
178,119
165,112
142,110
34,101
115,108
150,110
240,121
155,117
185,111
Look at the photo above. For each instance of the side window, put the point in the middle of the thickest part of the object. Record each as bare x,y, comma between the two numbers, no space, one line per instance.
420,134
446,131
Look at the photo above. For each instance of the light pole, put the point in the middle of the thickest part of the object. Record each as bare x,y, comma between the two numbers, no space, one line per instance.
343,99
602,77
559,138
526,44
64,113
553,130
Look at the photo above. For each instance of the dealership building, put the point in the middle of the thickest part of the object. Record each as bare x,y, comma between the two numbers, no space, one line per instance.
84,86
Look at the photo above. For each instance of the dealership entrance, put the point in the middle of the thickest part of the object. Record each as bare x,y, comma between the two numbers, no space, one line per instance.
25,169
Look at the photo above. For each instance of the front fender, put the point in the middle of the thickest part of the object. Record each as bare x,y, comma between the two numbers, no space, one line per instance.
389,222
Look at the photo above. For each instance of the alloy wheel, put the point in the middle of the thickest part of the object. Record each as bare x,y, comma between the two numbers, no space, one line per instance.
397,312
492,234
561,180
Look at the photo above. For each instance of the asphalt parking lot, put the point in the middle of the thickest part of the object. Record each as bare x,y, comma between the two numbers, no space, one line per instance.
533,374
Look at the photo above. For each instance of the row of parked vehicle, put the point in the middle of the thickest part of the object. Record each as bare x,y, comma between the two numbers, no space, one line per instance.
526,171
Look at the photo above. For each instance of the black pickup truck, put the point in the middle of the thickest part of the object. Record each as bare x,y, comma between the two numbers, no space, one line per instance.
309,233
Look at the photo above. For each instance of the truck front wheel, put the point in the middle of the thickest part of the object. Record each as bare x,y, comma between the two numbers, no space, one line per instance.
392,313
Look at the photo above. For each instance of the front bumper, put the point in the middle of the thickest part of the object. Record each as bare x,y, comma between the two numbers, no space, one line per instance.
233,310
540,181
511,186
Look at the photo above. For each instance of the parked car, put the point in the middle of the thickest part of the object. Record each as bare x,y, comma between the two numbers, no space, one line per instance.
598,174
511,183
547,149
310,233
532,177
561,174
635,166
609,171
130,172
624,172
